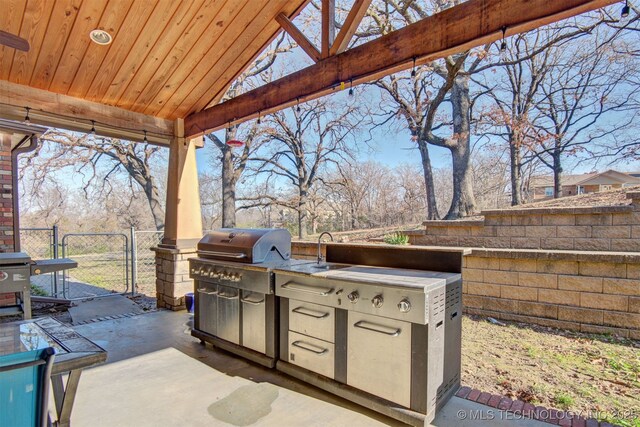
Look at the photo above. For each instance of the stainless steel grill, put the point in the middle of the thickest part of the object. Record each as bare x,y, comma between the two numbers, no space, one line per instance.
235,302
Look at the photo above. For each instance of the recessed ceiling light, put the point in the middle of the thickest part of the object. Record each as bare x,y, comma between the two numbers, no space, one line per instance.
100,37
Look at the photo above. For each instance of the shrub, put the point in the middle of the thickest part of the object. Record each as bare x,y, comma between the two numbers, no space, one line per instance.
397,238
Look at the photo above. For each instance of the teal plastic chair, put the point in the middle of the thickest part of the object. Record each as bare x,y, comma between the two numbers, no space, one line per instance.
24,388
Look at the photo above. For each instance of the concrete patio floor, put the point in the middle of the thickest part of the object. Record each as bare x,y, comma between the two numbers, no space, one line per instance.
158,375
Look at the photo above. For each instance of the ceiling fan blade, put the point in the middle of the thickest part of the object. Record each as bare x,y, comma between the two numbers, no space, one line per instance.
14,41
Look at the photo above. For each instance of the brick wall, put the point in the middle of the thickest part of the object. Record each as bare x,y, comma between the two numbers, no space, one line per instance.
606,228
588,292
6,199
6,207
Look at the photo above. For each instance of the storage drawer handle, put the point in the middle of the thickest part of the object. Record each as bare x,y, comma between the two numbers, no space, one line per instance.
309,347
378,328
310,313
252,301
308,289
207,292
227,296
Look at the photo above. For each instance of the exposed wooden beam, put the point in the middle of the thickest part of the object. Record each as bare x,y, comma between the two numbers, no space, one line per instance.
55,110
298,37
328,25
470,24
349,27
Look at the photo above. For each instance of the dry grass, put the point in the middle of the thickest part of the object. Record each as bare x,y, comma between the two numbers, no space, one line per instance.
596,375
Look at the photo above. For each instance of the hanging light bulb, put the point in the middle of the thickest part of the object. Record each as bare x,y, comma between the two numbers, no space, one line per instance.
258,121
298,107
93,128
626,9
503,45
413,70
350,87
27,120
145,136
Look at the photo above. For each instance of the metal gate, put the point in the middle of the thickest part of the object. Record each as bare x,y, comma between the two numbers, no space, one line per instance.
103,265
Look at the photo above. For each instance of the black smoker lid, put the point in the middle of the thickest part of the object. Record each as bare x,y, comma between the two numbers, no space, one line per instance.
9,258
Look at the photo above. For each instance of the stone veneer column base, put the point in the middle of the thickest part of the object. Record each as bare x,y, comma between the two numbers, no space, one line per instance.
172,276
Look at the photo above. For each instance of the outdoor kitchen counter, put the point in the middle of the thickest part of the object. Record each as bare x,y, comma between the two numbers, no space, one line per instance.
418,279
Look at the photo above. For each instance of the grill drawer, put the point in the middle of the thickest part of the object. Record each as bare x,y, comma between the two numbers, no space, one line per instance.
312,354
312,319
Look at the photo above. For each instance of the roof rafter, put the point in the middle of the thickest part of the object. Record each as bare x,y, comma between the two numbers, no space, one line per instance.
470,24
298,37
349,27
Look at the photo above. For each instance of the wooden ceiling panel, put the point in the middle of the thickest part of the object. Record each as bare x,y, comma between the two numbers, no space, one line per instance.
111,22
213,87
34,25
62,19
167,57
118,66
208,44
169,52
10,21
76,45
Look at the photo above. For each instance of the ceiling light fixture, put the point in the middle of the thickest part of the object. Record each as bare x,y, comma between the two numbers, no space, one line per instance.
298,103
93,127
503,46
413,71
258,117
626,9
100,37
145,137
351,87
27,120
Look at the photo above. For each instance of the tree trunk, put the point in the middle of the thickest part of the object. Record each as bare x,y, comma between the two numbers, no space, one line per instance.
516,170
151,191
302,214
432,204
463,202
228,189
557,175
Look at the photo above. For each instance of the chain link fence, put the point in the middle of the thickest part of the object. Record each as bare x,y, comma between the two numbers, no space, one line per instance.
144,260
41,243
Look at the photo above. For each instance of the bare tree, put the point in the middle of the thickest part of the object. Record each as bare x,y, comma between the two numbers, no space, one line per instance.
305,141
233,162
90,156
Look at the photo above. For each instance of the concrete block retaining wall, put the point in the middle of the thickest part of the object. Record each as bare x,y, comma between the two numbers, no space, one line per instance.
571,268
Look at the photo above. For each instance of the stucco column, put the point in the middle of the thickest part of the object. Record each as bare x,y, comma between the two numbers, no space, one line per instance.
183,222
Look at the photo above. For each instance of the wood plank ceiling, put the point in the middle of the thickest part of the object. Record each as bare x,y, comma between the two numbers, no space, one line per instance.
168,58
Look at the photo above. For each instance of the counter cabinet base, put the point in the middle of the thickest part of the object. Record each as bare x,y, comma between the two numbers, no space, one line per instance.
245,352
377,404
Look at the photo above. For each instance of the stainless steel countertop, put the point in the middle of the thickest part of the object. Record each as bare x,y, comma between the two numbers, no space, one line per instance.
416,279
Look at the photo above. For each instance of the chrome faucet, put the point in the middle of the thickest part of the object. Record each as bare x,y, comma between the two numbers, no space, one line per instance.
320,259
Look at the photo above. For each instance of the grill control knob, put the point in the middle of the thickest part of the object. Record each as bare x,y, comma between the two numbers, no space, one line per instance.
377,301
353,297
404,306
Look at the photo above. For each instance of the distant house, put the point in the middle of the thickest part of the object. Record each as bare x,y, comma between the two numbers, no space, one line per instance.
541,187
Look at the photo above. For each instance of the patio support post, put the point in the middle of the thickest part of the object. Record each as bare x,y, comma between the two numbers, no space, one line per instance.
183,222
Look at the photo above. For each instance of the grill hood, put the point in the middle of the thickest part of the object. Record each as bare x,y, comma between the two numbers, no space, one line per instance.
246,244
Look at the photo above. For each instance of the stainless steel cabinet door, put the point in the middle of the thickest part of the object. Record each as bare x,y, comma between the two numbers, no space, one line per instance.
229,314
379,357
206,309
253,321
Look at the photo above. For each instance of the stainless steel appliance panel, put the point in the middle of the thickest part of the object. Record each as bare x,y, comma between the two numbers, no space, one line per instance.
314,320
312,354
228,314
206,308
379,357
253,320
